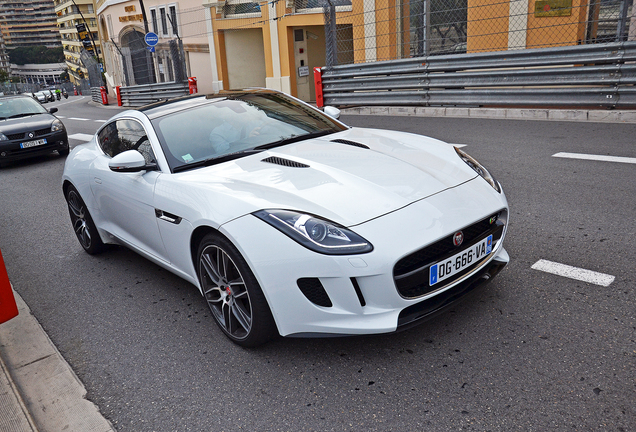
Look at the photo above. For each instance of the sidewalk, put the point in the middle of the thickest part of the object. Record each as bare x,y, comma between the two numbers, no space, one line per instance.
39,392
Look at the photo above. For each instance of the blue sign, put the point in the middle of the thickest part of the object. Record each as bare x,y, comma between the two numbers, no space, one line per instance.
151,39
151,49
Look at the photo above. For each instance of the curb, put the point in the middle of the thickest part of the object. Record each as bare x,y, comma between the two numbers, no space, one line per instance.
14,415
50,394
601,116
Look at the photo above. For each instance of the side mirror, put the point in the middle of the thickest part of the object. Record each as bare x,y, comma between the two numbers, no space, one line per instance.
332,112
53,110
130,161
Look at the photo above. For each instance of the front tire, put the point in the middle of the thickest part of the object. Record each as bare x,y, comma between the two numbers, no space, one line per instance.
83,225
64,151
233,294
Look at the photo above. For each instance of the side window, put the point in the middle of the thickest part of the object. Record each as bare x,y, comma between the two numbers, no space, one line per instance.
122,135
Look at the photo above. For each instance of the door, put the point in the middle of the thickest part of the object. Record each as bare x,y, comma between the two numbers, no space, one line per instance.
126,200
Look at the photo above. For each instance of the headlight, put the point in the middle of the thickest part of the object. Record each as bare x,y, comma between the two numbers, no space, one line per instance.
479,169
57,126
316,233
3,137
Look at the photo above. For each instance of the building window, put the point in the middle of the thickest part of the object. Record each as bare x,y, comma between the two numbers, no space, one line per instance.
153,20
173,19
164,21
242,8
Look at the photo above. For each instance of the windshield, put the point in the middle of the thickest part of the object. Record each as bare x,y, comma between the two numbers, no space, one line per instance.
18,107
237,124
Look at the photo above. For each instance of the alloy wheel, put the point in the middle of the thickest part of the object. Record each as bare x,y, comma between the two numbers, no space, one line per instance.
226,292
78,218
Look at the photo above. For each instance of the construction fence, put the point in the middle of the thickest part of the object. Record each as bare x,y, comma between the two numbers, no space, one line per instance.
377,30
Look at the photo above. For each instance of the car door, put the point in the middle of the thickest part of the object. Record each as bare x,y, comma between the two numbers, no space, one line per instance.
126,200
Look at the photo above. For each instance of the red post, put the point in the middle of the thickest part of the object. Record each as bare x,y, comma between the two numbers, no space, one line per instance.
102,90
192,85
8,308
119,103
320,100
75,90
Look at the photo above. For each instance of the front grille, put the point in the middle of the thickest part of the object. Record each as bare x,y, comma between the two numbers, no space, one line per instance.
22,135
314,291
37,149
16,136
41,132
411,273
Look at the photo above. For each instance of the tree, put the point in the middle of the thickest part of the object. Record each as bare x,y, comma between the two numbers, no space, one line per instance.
36,54
4,76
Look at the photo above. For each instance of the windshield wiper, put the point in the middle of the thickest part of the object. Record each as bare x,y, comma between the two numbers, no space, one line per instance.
216,160
294,138
21,115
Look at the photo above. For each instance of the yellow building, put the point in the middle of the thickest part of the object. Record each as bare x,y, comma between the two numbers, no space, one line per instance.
530,24
277,44
70,14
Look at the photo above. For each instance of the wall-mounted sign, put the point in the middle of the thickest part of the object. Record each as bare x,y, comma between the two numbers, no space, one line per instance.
129,8
138,17
552,8
303,71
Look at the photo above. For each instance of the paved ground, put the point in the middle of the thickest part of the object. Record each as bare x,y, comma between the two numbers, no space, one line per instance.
40,392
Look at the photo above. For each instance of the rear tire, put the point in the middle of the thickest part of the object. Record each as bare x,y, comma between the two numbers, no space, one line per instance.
233,294
83,225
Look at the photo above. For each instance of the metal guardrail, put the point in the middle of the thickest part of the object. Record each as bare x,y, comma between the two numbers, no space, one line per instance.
602,76
96,95
140,95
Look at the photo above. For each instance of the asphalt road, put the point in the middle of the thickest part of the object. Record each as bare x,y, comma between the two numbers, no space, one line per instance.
531,352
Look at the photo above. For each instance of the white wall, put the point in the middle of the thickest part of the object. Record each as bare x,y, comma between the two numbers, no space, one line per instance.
201,68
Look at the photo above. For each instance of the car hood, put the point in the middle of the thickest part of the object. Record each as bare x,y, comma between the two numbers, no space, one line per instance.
366,174
26,124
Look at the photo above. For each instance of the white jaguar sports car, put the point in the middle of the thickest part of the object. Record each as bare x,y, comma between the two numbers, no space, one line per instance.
287,220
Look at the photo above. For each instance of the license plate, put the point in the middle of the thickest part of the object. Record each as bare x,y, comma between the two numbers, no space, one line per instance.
460,261
35,143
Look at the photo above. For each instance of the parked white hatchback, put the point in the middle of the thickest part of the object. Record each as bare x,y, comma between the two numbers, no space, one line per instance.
287,220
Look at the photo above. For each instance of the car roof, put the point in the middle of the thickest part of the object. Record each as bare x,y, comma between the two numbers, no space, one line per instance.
162,108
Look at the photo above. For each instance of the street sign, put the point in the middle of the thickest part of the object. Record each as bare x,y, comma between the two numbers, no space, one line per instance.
150,48
151,39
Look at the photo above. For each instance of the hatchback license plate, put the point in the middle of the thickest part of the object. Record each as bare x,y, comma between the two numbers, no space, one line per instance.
460,261
33,143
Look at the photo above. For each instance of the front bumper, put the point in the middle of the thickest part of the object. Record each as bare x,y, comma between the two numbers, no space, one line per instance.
11,150
320,295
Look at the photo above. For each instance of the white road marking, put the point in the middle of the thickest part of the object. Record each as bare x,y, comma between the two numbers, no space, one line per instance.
573,272
603,158
81,137
77,118
459,145
101,121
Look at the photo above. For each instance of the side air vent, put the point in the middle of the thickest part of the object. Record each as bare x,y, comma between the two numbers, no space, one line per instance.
284,162
351,143
314,291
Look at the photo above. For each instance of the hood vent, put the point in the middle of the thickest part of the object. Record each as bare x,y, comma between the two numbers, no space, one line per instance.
284,162
351,143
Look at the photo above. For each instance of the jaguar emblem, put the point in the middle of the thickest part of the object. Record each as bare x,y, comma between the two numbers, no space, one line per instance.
458,238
